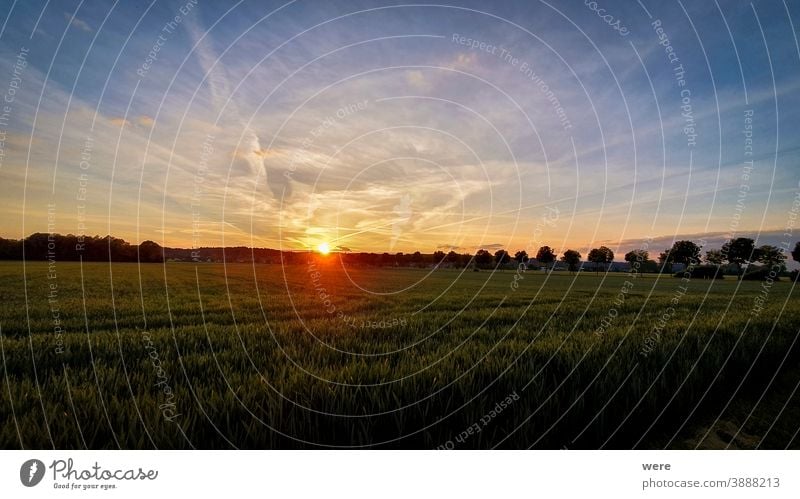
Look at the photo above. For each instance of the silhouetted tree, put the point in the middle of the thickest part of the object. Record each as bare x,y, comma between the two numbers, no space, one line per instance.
685,252
601,256
501,257
739,251
521,256
572,258
715,257
771,256
150,251
637,259
546,255
452,257
10,249
483,258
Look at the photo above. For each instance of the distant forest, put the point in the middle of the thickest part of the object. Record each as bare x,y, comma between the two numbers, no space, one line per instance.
739,256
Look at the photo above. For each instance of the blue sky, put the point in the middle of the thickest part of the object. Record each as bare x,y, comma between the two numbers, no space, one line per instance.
374,126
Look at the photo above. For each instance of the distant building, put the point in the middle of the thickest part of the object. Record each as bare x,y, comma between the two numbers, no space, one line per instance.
601,267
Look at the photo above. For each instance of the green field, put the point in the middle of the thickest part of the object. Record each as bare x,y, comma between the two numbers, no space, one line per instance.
212,356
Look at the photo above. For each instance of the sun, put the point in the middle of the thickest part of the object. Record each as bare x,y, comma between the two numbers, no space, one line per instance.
324,248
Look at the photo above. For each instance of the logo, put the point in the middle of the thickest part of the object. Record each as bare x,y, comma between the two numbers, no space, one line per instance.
31,472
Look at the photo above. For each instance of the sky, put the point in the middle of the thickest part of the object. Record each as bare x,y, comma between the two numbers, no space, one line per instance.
384,126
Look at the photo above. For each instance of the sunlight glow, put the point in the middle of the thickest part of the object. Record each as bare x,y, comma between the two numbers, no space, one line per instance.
324,248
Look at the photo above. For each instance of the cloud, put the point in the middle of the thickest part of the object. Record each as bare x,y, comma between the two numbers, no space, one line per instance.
78,23
146,121
269,152
476,168
462,61
416,79
120,122
450,247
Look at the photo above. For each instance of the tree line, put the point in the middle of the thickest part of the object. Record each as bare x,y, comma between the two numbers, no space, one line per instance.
737,254
58,247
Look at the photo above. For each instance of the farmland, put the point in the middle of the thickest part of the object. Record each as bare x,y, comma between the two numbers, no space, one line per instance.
304,356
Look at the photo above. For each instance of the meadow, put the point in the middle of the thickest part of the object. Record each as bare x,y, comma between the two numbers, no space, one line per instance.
180,355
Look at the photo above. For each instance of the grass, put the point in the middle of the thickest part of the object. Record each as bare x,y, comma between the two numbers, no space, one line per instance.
213,356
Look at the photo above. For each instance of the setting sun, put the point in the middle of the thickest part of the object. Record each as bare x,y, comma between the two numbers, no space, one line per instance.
324,248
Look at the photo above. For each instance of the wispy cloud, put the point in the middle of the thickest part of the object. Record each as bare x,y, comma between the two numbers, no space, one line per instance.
78,23
325,138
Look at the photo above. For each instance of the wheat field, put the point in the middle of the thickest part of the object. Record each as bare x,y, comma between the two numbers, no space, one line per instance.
307,356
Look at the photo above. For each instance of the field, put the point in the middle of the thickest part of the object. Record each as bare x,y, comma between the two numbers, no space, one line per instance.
269,356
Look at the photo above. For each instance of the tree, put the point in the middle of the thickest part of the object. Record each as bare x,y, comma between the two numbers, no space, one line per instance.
685,252
438,257
452,257
636,258
150,251
739,251
521,256
417,259
483,258
572,258
546,255
771,256
796,252
663,261
601,256
501,257
715,257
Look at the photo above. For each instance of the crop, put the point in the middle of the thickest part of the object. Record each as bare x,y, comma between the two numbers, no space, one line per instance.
297,356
